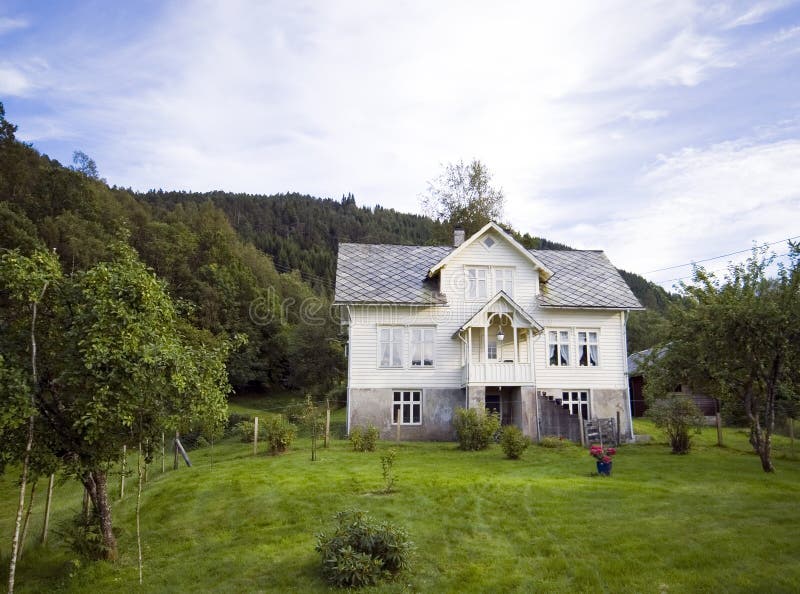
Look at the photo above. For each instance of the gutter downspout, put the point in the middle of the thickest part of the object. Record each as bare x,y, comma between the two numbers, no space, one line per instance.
349,363
466,364
536,387
624,322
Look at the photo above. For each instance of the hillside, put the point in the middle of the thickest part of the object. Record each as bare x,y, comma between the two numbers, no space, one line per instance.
480,523
232,258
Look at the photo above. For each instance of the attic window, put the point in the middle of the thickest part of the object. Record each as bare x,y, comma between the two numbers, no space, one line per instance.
489,242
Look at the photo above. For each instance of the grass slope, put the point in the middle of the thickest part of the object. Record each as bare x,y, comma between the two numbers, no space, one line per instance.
708,522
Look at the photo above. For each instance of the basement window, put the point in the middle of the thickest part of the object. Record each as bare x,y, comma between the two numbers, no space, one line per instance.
408,404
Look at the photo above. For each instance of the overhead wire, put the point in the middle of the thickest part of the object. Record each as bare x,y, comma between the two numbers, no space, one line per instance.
693,262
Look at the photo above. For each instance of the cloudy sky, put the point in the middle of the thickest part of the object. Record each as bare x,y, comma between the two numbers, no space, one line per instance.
662,132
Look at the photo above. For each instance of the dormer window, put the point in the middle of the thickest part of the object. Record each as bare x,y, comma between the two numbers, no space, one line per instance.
504,281
477,283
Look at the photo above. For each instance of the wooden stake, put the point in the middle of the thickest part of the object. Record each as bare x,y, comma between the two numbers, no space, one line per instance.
139,507
719,429
618,429
27,521
399,410
46,524
255,436
122,471
327,422
175,457
163,452
580,420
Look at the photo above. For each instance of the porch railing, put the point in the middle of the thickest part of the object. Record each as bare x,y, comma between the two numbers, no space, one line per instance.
497,373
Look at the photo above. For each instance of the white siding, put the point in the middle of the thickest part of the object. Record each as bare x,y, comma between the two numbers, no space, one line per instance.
609,373
365,371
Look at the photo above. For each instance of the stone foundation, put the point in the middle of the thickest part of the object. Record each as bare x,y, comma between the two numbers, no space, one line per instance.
374,405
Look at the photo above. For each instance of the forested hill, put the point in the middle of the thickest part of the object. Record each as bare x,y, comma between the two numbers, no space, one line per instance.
302,232
213,252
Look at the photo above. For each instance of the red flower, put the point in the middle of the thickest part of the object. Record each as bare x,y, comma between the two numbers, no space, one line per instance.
606,459
611,451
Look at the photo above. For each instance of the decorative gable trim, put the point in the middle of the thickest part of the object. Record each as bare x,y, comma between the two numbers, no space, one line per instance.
544,272
515,308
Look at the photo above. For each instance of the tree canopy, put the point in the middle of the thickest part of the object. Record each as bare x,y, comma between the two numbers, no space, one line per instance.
117,364
463,196
737,340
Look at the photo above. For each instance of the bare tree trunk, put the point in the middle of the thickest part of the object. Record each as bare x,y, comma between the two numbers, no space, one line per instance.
760,439
23,483
27,521
96,483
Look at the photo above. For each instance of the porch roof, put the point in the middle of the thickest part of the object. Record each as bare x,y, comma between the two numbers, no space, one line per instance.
519,314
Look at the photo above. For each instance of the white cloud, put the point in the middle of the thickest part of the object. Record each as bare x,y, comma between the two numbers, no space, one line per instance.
568,105
13,82
703,202
11,24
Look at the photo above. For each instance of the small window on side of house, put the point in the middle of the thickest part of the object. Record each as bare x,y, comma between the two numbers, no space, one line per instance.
408,405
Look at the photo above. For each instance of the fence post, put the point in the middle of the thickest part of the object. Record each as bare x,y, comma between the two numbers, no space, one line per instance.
327,422
255,436
123,470
163,453
47,509
719,429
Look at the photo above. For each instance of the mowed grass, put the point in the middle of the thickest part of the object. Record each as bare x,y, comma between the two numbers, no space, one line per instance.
708,522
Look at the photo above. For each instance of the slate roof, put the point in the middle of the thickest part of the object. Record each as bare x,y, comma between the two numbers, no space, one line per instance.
583,279
370,273
635,360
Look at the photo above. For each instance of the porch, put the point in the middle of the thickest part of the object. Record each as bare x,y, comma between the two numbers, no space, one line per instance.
497,345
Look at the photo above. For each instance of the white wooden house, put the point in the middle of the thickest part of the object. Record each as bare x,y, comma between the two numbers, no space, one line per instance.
537,335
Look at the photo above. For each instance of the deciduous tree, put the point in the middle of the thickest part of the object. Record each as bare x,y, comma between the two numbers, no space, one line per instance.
463,196
738,340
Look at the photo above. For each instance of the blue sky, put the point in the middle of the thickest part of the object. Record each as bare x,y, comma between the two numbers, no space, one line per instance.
662,132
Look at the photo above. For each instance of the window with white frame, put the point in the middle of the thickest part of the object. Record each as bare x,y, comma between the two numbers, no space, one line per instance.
504,280
558,347
423,347
587,348
407,404
477,280
390,346
575,398
491,351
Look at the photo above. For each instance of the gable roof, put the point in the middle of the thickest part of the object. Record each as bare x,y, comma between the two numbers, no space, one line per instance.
370,273
398,274
584,279
544,272
513,304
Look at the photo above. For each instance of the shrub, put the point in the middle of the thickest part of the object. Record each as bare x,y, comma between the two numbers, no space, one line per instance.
678,416
233,421
360,552
513,442
278,432
387,465
475,428
82,535
553,442
364,439
245,430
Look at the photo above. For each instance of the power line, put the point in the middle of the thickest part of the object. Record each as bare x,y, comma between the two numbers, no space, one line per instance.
711,271
718,257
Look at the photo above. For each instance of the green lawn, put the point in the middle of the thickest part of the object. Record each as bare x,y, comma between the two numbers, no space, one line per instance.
708,522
